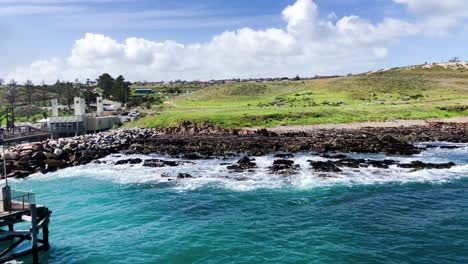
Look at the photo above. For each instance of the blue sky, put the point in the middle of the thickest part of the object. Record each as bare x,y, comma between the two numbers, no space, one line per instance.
49,39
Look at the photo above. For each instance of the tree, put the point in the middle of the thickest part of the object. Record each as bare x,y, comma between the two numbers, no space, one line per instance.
59,88
106,84
87,92
121,90
44,93
1,81
29,91
11,93
71,91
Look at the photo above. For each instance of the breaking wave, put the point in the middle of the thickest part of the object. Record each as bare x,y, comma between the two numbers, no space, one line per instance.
213,173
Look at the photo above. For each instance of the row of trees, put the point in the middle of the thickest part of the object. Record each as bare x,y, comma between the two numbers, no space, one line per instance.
29,93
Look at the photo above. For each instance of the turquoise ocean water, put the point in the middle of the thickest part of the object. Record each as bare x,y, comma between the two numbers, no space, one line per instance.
128,214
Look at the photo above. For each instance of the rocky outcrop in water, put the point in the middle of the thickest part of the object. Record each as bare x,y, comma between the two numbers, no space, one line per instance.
338,165
284,167
244,164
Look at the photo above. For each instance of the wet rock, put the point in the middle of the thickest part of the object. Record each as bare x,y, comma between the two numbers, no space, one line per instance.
324,166
337,156
184,176
242,165
419,165
129,161
449,147
19,174
284,167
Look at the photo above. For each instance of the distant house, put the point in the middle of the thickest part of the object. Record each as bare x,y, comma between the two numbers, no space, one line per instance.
144,91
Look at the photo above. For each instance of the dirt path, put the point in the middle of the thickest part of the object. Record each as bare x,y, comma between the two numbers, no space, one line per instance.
397,123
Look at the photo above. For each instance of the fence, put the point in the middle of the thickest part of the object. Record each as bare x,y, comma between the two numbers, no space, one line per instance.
19,201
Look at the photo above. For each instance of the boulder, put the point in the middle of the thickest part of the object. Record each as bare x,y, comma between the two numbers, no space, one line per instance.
54,163
39,155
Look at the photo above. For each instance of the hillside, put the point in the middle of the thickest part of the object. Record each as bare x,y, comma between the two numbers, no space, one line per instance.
418,92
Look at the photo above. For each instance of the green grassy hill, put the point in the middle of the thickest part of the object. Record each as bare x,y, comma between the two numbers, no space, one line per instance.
404,93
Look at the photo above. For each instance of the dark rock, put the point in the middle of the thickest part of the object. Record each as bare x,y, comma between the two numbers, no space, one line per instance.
184,176
243,164
39,156
324,166
129,161
449,147
419,165
283,162
284,167
54,163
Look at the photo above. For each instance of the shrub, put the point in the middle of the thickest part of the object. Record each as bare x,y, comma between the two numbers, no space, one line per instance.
28,110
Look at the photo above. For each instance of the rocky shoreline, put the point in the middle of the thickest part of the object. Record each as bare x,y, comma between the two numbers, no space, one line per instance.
191,142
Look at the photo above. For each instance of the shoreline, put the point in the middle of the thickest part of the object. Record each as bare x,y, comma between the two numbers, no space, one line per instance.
191,142
360,125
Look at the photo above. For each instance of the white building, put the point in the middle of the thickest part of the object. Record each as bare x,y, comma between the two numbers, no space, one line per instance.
81,122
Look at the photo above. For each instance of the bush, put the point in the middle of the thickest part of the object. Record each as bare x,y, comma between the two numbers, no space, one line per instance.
28,110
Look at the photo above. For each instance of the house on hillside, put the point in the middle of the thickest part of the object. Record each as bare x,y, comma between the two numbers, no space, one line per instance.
144,91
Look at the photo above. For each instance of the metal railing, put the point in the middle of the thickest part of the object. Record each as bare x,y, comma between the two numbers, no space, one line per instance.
7,134
19,201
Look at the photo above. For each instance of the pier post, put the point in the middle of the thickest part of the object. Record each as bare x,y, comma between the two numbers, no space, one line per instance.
34,249
45,235
6,197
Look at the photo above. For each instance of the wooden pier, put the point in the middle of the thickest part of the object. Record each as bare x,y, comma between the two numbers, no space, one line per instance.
16,208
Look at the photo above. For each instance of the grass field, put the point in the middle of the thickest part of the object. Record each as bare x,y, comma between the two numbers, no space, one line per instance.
395,94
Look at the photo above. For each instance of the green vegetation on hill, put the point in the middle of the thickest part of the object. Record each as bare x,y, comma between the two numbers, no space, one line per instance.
395,94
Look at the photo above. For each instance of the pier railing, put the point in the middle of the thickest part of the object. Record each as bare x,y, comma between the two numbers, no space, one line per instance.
22,133
17,201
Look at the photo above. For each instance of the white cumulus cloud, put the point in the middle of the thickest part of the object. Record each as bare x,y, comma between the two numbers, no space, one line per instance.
436,17
307,44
